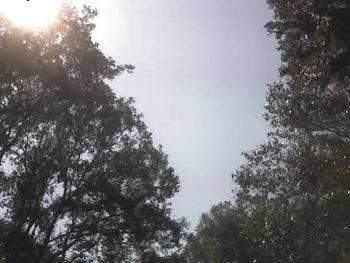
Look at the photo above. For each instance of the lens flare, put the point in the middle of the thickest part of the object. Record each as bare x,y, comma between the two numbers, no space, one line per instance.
31,13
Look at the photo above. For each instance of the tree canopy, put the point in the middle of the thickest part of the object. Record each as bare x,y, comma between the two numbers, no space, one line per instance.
81,180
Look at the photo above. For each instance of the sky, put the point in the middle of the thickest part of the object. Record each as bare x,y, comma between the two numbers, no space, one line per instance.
201,72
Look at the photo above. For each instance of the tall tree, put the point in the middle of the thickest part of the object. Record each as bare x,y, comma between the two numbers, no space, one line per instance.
303,171
81,180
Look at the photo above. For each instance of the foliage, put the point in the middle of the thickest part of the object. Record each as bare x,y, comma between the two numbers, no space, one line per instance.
81,180
227,234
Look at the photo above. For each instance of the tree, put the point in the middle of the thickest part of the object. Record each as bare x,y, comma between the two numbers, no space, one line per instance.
227,234
81,180
303,171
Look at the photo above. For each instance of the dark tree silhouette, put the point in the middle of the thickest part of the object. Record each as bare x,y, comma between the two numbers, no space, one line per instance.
81,180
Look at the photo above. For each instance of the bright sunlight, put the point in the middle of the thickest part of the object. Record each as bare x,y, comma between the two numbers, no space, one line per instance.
31,13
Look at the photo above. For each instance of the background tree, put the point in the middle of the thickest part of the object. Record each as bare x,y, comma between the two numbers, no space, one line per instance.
81,179
227,234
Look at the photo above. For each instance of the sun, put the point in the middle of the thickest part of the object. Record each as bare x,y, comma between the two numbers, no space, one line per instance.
31,13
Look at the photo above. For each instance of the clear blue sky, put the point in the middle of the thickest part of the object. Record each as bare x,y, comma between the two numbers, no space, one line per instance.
200,81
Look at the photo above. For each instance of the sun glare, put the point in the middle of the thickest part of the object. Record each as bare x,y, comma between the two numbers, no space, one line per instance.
31,13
